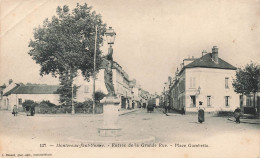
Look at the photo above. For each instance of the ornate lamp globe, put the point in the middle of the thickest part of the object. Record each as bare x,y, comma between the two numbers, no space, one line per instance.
110,35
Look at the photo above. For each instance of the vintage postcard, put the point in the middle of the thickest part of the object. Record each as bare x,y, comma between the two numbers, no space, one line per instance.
137,78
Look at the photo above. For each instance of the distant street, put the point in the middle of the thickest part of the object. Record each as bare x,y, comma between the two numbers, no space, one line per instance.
175,130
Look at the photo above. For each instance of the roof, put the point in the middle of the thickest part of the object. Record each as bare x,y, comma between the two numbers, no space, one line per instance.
207,62
11,90
36,89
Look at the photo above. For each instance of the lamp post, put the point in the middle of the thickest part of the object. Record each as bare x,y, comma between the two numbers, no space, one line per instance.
111,101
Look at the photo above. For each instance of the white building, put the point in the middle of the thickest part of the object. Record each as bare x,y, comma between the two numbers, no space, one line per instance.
16,94
121,86
205,82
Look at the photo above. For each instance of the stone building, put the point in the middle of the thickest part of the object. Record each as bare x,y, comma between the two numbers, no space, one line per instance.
204,82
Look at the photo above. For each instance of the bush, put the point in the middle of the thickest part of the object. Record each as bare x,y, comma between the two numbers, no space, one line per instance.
28,103
47,103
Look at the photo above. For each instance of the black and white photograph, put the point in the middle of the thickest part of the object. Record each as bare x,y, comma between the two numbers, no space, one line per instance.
126,79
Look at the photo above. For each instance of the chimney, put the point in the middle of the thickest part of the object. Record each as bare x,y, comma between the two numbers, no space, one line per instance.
215,54
10,81
204,52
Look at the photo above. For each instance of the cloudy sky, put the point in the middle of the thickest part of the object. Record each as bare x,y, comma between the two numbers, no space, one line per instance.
152,39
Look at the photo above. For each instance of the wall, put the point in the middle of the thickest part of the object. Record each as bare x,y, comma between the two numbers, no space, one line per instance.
85,91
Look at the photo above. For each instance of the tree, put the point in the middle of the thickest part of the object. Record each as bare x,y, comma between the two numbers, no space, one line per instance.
247,80
99,95
65,90
65,44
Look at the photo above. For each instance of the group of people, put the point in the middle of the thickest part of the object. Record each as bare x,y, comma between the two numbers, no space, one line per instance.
30,110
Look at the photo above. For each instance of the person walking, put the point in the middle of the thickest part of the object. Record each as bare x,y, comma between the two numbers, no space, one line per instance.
15,110
32,110
27,109
201,117
237,115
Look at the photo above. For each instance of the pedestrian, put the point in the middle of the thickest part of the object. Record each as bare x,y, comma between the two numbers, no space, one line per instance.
182,111
32,110
166,108
27,109
201,117
15,110
237,115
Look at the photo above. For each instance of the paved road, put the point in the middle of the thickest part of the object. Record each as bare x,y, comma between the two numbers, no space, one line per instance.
218,133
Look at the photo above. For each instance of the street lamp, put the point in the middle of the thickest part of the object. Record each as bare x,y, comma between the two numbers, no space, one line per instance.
110,102
110,35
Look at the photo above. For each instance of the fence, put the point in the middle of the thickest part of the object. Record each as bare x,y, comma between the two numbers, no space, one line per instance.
64,110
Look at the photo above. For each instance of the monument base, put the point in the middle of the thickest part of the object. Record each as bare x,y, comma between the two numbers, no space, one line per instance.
110,117
109,132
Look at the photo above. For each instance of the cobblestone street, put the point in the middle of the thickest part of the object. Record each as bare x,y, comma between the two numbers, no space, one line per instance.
173,133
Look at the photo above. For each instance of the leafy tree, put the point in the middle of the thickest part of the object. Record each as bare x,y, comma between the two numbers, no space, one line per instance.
65,90
99,96
65,44
28,103
247,79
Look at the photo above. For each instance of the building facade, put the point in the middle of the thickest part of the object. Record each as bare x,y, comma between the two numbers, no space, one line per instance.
16,94
120,81
206,83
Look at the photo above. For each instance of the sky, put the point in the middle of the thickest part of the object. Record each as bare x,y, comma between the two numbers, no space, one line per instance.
153,37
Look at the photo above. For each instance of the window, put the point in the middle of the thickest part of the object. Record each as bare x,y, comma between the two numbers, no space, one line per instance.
20,101
86,89
1,95
192,82
208,100
227,100
193,100
249,100
226,82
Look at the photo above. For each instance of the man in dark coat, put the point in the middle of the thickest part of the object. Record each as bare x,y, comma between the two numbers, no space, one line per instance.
237,115
15,110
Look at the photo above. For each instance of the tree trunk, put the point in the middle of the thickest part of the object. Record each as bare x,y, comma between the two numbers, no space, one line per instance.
254,102
72,105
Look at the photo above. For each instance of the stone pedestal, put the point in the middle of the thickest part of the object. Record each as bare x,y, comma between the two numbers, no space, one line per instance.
110,117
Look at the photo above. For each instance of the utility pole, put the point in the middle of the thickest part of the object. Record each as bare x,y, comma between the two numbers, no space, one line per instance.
94,76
